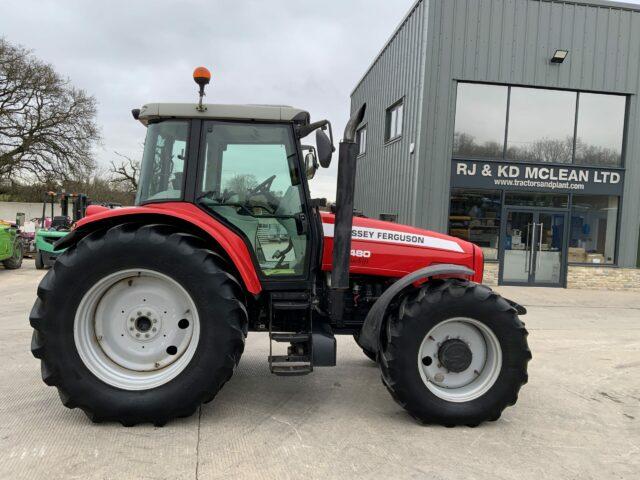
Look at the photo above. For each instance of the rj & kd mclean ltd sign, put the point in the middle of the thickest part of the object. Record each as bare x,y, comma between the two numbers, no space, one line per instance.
537,177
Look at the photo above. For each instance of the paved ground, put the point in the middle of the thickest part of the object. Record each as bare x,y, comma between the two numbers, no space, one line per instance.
579,416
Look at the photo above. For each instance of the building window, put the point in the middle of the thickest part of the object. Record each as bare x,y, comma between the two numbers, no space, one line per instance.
361,139
474,215
541,125
594,221
481,115
393,124
600,129
542,200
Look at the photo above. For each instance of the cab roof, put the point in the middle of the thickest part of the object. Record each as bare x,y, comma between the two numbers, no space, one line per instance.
278,113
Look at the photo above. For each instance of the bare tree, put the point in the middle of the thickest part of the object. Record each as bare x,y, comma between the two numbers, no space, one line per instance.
125,173
47,127
241,184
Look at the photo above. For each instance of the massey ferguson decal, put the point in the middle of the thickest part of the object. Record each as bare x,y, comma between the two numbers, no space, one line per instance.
398,238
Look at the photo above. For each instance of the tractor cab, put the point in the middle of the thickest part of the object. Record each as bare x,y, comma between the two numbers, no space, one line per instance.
245,166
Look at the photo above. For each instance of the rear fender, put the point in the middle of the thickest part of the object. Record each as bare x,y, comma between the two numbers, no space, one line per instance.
370,333
229,243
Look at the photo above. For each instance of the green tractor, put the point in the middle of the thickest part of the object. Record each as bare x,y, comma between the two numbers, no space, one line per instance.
55,227
10,246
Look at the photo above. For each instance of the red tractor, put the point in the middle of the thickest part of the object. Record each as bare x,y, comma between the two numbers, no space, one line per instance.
145,314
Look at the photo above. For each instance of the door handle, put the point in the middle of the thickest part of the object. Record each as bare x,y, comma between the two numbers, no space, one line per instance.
302,225
527,248
539,247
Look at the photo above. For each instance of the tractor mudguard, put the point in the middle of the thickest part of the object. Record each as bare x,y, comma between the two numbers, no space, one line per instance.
370,332
179,213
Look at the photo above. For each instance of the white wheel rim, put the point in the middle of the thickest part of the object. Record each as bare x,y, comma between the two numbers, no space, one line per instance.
482,371
136,329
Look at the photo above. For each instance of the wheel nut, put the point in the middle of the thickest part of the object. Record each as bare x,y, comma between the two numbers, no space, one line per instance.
155,320
139,313
132,319
146,335
148,314
131,328
154,329
137,334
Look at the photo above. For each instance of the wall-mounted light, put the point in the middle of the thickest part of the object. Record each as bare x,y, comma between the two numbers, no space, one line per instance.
559,56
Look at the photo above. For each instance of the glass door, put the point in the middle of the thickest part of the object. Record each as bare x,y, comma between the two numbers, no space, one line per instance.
549,241
517,250
533,248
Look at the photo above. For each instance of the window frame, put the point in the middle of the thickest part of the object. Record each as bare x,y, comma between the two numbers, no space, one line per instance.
616,246
394,107
505,158
359,131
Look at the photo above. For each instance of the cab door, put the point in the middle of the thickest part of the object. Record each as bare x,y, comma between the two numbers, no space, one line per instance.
250,179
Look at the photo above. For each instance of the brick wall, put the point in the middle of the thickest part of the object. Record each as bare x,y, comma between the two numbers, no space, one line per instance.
490,276
602,278
590,278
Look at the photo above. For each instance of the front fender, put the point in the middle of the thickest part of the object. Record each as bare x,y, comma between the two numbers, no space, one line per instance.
370,332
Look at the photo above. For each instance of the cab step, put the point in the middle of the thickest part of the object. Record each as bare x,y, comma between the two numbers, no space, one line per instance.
291,370
290,337
290,305
299,354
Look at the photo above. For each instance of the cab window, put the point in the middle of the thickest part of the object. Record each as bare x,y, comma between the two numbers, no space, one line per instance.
250,178
162,166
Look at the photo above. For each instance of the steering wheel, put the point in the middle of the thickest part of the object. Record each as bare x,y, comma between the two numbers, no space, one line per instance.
263,187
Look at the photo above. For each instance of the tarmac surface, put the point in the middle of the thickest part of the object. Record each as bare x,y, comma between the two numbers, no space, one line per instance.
578,417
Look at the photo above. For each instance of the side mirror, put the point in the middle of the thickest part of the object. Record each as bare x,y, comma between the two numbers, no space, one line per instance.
310,164
325,148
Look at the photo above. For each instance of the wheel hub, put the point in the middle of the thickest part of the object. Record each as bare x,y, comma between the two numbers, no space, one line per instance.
143,323
455,355
136,329
459,359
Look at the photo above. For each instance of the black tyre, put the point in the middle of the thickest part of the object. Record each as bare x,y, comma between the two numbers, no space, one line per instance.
138,324
369,354
454,353
39,261
15,261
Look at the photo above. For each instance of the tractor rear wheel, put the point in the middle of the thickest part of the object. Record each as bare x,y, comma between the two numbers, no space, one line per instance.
15,261
454,353
152,326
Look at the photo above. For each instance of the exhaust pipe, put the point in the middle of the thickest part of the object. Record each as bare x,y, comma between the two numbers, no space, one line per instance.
344,214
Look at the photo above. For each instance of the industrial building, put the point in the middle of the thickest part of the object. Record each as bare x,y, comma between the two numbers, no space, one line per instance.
514,124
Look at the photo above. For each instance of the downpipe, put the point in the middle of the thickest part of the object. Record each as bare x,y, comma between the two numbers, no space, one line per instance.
345,191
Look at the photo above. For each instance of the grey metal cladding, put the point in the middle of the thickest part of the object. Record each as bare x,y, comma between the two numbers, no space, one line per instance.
382,184
499,41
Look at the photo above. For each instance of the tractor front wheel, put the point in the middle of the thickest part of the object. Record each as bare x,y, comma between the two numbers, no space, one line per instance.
39,261
454,353
15,261
152,326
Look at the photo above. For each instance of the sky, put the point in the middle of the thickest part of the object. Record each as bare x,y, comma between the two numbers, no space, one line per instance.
303,53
